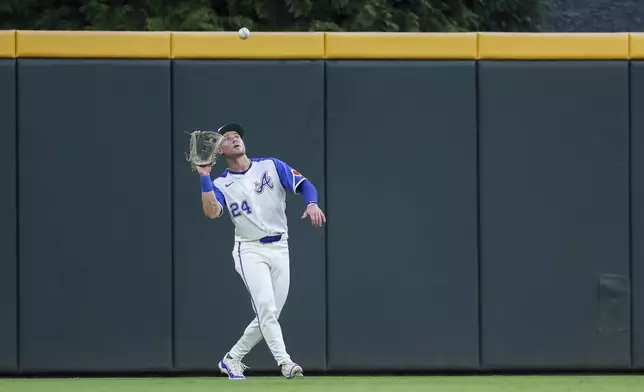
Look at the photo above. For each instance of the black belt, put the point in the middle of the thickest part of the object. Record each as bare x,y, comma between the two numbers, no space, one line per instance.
269,239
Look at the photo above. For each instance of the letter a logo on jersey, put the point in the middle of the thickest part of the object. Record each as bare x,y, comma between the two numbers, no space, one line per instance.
266,181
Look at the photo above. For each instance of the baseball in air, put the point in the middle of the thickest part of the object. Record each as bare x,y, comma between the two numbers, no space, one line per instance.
244,33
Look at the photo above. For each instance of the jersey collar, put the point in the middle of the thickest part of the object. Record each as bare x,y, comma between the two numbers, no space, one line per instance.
244,172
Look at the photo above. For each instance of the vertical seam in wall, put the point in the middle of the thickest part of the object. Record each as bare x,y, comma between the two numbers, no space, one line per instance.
326,227
17,195
478,210
630,208
170,53
172,250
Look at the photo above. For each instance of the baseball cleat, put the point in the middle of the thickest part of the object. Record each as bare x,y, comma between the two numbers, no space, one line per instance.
291,369
233,368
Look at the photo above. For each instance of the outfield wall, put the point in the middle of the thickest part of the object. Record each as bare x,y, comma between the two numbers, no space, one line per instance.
483,194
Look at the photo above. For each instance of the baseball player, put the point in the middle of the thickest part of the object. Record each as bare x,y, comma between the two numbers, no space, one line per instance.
254,193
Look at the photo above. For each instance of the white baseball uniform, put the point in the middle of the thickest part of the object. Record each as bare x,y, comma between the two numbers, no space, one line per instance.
256,202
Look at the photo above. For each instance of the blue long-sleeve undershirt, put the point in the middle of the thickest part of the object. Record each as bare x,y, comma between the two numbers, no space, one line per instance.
308,191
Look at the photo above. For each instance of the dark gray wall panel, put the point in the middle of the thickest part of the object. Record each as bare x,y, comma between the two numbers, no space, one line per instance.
554,214
281,106
402,272
637,211
8,277
94,218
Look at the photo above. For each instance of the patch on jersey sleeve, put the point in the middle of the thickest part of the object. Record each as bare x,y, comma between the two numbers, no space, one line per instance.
297,179
289,177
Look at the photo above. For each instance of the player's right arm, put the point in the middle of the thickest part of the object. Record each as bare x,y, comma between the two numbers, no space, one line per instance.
212,200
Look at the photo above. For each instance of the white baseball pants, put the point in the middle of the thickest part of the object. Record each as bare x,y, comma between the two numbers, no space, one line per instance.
264,268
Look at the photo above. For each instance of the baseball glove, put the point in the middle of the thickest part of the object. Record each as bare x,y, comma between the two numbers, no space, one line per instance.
204,146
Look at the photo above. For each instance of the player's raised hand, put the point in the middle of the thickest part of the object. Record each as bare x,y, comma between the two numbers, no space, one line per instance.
203,170
315,213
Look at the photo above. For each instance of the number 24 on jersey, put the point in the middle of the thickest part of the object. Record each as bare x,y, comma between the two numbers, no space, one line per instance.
235,210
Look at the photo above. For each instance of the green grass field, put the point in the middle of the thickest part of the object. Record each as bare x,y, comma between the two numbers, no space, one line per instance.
618,383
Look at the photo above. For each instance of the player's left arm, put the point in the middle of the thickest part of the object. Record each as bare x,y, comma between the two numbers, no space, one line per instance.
295,182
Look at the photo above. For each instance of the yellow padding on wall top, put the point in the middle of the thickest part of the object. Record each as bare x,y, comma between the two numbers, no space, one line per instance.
260,45
318,45
93,44
401,45
637,46
543,46
8,43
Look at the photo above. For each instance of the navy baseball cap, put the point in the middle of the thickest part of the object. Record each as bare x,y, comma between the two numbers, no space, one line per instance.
231,127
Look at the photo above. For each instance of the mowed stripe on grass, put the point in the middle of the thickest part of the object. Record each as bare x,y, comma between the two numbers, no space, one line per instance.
539,383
